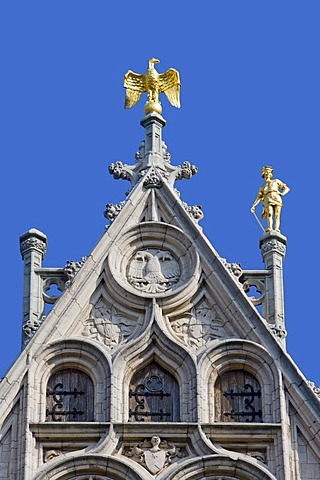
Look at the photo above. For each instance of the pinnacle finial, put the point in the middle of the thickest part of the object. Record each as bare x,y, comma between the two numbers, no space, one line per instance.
153,83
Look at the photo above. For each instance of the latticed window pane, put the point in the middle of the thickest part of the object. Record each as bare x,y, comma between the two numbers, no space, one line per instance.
237,397
69,397
153,395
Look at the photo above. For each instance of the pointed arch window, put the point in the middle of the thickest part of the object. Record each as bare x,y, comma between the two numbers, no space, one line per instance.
153,395
237,397
70,397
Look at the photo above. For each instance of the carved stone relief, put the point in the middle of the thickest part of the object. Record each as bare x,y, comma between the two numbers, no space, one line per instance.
33,243
108,327
258,455
197,328
153,270
155,454
152,259
273,245
50,455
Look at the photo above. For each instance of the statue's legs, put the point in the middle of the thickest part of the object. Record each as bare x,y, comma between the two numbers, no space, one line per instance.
277,210
269,219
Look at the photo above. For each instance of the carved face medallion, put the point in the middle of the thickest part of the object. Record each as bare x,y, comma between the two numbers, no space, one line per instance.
153,270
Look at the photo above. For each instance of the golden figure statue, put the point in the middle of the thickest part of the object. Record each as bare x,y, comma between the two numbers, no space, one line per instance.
153,83
270,193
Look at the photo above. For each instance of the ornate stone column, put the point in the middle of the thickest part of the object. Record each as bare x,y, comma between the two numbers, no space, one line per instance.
273,249
33,244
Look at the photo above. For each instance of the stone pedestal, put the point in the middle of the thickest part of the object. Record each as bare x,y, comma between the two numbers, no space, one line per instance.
33,244
273,249
153,154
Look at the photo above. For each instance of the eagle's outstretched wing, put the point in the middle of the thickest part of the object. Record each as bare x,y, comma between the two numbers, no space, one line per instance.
169,266
137,266
169,83
134,83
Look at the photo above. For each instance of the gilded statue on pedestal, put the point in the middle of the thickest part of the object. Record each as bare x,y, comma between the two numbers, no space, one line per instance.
153,83
270,194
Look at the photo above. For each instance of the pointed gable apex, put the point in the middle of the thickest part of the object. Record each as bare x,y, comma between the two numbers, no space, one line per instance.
153,326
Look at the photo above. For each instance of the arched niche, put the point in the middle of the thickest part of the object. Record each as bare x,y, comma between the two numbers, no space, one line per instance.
237,397
171,357
245,356
65,361
70,396
154,395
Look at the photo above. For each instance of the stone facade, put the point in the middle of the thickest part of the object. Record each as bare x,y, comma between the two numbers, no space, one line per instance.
153,362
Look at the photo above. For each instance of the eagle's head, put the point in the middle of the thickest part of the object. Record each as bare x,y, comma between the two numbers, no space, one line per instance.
152,61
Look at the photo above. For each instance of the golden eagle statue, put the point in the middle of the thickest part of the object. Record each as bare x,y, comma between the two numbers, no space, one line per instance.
153,83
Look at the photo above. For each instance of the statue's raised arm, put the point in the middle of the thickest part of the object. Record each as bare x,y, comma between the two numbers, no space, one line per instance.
270,194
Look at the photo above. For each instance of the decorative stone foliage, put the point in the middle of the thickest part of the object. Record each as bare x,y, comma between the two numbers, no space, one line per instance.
72,267
195,211
112,210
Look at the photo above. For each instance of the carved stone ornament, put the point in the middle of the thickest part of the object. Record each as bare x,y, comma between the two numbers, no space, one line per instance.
195,211
258,455
260,287
108,327
33,243
50,455
314,388
153,179
233,268
149,260
31,326
278,331
155,454
112,210
153,271
186,171
197,328
117,170
71,268
273,245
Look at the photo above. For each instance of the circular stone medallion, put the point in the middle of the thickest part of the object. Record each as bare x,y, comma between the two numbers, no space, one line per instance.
154,260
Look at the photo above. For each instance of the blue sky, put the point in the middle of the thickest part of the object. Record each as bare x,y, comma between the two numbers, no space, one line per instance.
250,97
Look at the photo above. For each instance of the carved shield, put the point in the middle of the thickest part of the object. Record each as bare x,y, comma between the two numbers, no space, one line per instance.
155,460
